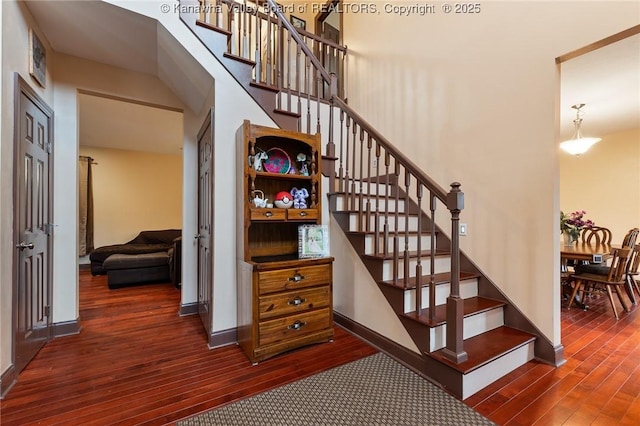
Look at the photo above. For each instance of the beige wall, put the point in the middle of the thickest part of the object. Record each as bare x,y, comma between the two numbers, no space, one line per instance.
134,191
605,182
476,102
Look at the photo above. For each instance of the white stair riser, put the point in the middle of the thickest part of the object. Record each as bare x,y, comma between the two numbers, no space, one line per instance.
367,188
369,243
390,205
468,288
355,218
500,367
472,326
442,264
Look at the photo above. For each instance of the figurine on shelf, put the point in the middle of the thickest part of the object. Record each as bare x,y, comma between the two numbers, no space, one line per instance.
299,198
257,160
302,161
283,200
259,200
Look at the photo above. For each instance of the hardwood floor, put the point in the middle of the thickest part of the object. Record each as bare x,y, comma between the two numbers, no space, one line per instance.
137,362
599,384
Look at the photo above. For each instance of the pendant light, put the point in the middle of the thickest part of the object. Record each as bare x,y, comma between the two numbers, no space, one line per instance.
578,144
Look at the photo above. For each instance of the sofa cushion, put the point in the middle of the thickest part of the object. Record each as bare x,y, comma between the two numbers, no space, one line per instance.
164,236
102,253
135,261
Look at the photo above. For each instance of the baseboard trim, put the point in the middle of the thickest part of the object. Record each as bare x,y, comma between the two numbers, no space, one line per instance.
188,309
223,338
553,356
7,380
410,359
66,328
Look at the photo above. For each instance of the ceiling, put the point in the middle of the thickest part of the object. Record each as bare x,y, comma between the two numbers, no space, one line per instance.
119,124
607,80
101,32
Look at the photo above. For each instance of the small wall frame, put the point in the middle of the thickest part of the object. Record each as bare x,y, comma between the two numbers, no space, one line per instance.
313,241
298,23
37,59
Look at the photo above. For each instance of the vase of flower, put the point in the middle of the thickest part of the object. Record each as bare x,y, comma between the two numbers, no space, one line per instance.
572,225
569,238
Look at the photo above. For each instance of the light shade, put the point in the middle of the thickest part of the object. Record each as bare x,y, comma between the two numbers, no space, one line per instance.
578,144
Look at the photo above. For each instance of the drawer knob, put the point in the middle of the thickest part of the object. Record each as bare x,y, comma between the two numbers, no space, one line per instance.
297,325
303,214
268,214
297,301
297,278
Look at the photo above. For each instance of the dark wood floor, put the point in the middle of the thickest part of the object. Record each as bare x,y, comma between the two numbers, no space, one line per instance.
599,384
137,362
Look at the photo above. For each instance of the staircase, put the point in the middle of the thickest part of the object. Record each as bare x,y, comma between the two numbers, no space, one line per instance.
393,214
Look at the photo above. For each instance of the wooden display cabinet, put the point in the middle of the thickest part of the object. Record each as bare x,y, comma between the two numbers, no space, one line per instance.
284,302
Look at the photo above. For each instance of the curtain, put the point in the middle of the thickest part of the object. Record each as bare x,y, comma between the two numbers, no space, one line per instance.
85,231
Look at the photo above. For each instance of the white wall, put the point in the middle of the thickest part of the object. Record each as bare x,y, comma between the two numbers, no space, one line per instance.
476,102
15,25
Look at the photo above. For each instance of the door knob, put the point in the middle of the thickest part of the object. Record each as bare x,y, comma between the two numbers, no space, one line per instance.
24,245
198,236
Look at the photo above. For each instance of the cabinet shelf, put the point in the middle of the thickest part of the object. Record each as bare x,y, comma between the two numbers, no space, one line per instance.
284,176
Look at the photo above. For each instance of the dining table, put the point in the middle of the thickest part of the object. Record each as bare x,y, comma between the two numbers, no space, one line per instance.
589,252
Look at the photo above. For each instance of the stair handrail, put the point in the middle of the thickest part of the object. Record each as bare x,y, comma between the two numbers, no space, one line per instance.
296,37
453,200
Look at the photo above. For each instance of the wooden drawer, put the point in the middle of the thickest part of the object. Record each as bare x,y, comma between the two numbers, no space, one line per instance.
268,214
293,326
294,301
302,214
293,278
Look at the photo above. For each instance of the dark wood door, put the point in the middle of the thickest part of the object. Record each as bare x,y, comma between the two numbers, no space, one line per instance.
329,58
32,237
205,222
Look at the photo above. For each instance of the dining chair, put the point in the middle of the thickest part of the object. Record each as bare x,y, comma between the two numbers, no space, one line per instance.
587,283
596,235
631,237
633,269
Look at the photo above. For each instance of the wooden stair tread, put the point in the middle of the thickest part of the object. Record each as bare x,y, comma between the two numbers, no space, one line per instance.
412,254
412,233
471,306
486,347
285,112
439,278
212,27
382,196
239,59
264,86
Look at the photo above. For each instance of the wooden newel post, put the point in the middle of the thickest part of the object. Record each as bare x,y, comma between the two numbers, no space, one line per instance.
454,350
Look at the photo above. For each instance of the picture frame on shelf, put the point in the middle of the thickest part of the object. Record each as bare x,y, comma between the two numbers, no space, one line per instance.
298,23
37,59
313,241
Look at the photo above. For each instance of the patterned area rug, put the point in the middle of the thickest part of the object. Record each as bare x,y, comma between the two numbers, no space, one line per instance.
371,391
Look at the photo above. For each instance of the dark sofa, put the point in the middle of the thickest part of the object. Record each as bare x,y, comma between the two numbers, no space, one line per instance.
134,262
